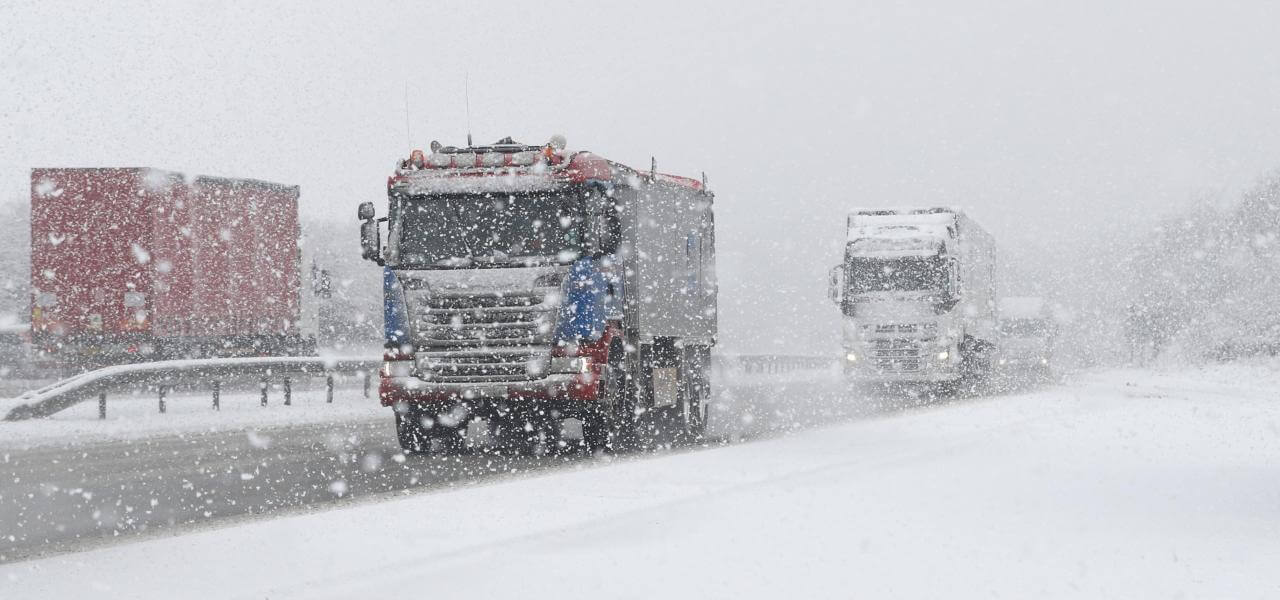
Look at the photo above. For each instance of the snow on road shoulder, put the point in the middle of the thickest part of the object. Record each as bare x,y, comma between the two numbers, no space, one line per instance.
1122,484
137,416
740,397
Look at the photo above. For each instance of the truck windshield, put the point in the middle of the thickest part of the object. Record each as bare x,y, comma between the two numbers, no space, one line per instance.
499,229
906,274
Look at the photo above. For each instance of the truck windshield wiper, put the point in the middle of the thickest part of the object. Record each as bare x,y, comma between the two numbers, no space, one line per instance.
498,257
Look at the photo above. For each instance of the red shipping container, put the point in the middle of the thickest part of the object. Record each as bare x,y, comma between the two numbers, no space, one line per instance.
136,263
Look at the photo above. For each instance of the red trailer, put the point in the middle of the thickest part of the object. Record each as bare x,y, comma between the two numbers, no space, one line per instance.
143,264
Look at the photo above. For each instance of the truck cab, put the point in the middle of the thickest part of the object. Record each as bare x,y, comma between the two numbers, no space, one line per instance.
916,295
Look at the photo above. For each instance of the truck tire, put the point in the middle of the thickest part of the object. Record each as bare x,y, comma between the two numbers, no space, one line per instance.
615,427
595,433
696,385
453,440
410,433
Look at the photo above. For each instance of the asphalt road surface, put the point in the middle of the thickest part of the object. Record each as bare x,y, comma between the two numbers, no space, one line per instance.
76,496
56,499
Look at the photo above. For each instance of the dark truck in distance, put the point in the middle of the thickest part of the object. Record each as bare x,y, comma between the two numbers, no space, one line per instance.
526,285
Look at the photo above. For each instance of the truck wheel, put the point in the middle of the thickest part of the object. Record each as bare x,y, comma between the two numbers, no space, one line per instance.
697,395
595,433
453,440
413,438
619,423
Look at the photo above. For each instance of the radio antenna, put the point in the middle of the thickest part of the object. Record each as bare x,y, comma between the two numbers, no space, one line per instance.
408,137
466,92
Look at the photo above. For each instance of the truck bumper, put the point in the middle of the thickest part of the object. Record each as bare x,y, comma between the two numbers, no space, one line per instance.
571,393
940,372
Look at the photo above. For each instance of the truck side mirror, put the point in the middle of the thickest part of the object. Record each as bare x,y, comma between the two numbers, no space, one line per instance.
370,234
603,235
835,283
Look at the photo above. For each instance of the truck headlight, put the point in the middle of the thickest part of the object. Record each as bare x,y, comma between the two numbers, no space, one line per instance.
851,357
944,355
565,364
397,368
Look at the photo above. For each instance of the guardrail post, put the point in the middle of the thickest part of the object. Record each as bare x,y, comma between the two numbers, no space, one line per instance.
365,375
288,393
328,388
163,389
217,389
102,405
264,391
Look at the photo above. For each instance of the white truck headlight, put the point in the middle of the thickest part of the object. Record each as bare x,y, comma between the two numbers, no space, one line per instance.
851,357
944,355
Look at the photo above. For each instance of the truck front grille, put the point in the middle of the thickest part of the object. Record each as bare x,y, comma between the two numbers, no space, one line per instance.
484,321
896,355
897,328
484,337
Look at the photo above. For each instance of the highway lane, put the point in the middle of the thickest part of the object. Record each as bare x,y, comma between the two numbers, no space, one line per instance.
74,496
56,499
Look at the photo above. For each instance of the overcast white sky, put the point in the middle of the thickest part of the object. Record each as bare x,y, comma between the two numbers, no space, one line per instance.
1049,121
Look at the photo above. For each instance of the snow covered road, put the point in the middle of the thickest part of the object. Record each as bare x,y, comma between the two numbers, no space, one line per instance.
1126,484
73,481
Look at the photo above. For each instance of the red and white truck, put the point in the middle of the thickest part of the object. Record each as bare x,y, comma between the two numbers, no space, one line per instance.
527,285
132,264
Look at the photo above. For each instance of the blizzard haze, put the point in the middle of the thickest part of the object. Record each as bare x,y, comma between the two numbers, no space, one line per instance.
1058,127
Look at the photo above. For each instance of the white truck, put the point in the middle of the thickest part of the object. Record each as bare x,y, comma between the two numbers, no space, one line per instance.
1027,335
916,291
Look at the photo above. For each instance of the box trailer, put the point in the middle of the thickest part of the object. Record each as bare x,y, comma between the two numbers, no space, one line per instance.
132,264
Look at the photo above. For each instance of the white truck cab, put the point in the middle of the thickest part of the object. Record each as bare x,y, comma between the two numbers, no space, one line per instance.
916,291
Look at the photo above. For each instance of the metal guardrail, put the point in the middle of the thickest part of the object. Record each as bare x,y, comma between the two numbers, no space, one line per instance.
73,390
164,375
774,363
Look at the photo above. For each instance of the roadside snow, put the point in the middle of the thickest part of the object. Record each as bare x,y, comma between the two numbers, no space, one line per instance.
137,416
1124,484
744,404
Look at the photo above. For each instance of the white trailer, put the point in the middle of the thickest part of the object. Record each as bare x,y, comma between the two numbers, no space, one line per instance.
916,290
